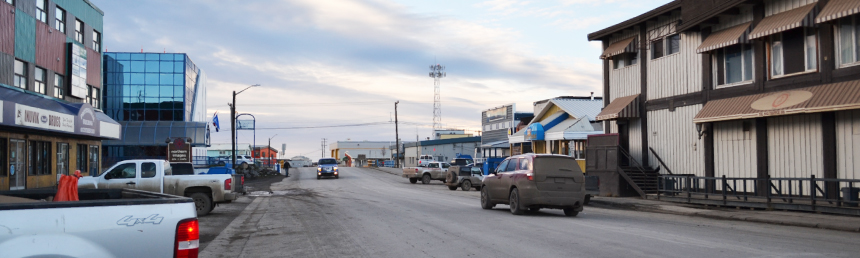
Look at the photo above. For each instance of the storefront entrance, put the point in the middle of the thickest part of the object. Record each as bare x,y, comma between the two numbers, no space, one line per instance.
18,179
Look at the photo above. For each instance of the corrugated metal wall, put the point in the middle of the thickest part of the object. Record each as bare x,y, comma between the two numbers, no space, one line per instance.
735,149
848,144
679,73
625,81
794,146
673,136
25,37
7,29
94,68
635,144
26,6
6,75
50,48
772,7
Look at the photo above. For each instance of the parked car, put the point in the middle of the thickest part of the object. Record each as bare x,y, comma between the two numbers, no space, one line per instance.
429,171
103,223
182,168
465,177
240,160
535,181
424,160
327,168
157,176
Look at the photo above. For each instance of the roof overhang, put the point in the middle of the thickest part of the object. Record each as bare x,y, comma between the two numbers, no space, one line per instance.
815,99
795,18
604,33
724,38
836,9
623,107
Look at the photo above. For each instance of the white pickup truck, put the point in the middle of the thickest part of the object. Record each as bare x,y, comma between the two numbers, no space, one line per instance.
157,176
104,223
428,171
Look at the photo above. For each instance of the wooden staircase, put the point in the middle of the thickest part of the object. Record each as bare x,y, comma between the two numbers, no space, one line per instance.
643,180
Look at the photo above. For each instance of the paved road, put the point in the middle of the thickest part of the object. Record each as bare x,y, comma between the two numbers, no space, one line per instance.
368,213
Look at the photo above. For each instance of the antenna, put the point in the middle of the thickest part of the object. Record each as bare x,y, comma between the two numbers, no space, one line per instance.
437,72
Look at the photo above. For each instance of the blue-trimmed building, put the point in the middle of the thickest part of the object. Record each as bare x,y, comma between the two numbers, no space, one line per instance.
155,97
50,92
443,150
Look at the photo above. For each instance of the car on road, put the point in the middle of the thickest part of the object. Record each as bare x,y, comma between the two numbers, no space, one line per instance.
240,160
327,167
428,171
423,160
102,223
157,176
535,181
464,177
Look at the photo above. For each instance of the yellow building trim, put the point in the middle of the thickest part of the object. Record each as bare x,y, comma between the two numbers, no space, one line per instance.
552,110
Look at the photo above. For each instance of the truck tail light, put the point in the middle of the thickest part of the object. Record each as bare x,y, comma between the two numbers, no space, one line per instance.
187,239
416,170
530,176
243,180
228,184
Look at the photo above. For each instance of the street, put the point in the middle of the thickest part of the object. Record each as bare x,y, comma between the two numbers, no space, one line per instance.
370,213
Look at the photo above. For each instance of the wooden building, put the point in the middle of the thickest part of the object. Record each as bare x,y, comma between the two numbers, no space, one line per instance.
741,88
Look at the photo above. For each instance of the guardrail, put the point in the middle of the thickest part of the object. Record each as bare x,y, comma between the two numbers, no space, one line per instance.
806,194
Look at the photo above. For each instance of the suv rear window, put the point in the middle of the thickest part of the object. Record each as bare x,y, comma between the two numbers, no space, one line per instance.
556,165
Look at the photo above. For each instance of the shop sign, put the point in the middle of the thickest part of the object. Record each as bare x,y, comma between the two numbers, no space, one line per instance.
44,119
87,122
179,151
79,71
781,100
535,132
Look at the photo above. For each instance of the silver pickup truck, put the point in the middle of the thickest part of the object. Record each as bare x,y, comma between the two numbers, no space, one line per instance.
104,223
428,171
157,176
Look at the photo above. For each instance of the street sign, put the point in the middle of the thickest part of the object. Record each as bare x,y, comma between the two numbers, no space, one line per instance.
245,124
179,150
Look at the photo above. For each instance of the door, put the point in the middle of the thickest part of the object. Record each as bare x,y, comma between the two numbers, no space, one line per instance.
121,176
148,179
623,144
501,190
495,180
18,177
62,159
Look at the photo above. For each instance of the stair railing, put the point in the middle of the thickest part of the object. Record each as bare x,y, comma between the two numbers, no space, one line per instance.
661,161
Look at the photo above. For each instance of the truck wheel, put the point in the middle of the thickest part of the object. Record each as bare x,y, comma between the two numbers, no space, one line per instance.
485,200
425,179
202,202
515,202
452,188
413,180
467,185
570,212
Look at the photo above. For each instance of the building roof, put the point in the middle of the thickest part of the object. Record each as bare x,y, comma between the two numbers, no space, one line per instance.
577,107
452,140
698,11
601,34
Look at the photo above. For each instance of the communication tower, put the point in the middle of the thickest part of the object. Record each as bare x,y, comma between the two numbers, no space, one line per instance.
437,72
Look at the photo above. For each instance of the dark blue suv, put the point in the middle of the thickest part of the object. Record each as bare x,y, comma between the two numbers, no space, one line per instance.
327,167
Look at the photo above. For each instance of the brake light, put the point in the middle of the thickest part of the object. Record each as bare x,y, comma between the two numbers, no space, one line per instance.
187,239
416,170
243,180
530,176
228,184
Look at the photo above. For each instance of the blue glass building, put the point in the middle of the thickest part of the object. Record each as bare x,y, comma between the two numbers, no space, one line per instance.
155,96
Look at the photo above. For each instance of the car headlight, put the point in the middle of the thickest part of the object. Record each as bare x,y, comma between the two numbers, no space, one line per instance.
319,174
335,168
319,169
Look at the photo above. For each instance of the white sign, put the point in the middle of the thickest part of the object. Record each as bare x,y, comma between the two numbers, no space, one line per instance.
79,71
45,119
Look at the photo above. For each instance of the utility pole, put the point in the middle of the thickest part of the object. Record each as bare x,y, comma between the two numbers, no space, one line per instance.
396,136
322,150
269,148
233,131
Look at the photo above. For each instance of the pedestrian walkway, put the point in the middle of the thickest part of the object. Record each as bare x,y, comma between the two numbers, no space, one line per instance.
788,218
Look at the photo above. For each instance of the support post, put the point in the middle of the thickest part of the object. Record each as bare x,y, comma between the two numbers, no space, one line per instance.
397,136
233,131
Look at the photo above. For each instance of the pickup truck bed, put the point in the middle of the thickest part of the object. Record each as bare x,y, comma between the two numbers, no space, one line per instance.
104,223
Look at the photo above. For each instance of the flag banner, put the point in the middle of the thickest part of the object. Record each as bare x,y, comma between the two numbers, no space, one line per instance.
215,122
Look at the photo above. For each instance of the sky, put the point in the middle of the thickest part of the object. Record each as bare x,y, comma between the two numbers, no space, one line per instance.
333,69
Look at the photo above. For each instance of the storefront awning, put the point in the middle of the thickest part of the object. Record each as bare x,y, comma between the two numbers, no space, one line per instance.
33,111
518,137
497,144
155,133
822,98
572,129
784,21
723,38
620,47
836,9
623,107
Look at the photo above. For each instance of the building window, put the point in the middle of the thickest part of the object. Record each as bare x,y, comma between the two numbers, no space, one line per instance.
60,22
62,158
94,159
12,2
93,97
40,11
59,92
40,158
665,46
786,48
79,31
848,41
40,75
578,149
624,60
734,65
20,74
81,159
89,99
97,41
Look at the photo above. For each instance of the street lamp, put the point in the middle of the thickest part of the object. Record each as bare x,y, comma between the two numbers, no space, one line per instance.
233,123
270,147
